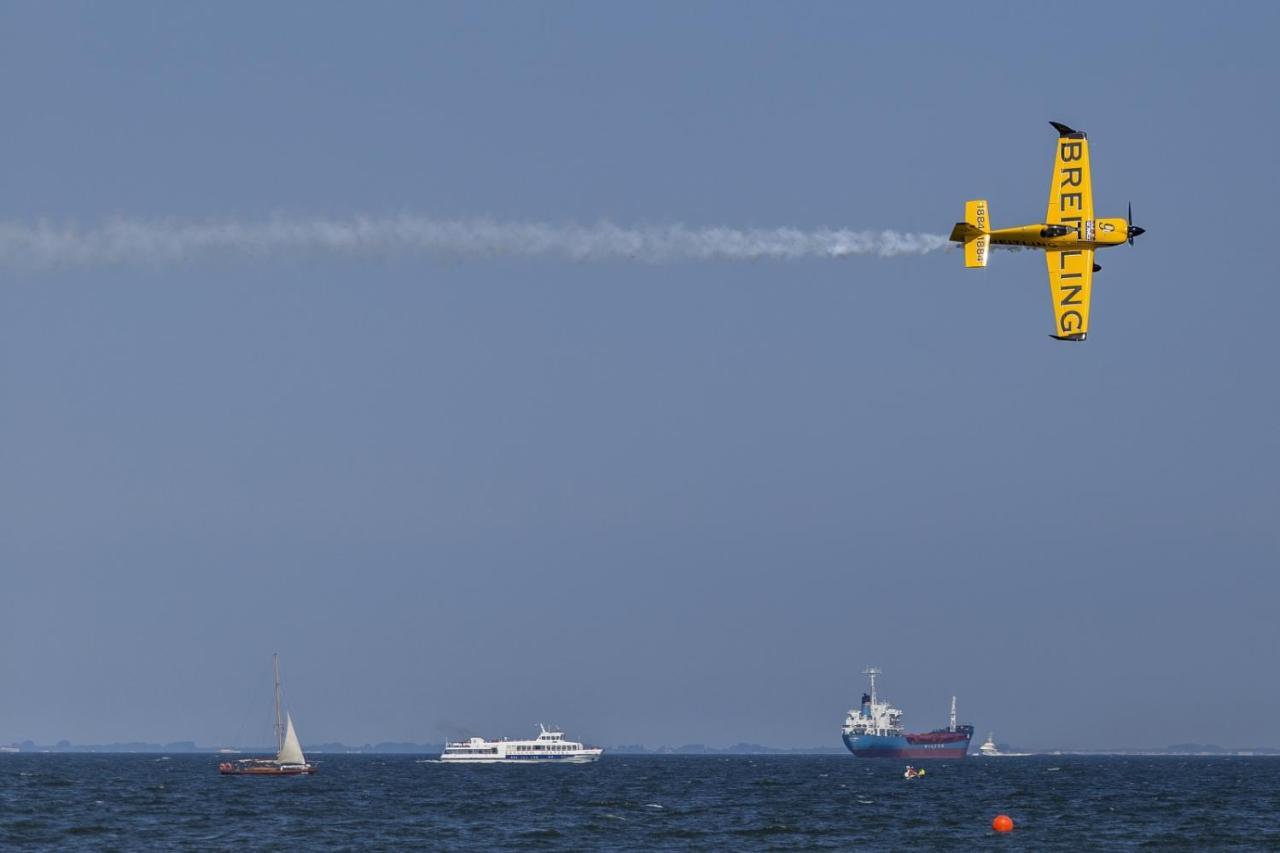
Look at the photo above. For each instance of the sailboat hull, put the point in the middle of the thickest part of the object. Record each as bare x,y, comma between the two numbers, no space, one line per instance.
266,768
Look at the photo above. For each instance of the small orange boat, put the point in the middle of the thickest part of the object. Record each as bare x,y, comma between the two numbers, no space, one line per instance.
289,760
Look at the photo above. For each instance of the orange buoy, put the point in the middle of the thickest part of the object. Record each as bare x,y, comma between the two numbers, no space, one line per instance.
1002,823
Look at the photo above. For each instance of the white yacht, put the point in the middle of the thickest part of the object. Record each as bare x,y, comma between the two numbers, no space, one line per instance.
990,750
548,747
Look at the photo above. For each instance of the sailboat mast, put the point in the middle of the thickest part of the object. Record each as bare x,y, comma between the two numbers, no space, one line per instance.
279,723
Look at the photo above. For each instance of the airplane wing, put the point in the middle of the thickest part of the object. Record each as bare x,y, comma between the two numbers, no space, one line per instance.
1071,193
1070,280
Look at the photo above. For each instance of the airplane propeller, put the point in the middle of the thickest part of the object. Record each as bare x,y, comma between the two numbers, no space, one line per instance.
1134,231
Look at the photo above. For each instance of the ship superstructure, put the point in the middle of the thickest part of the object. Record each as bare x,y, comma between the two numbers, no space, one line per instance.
874,730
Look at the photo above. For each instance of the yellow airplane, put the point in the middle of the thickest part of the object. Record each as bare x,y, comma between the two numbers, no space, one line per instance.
1069,235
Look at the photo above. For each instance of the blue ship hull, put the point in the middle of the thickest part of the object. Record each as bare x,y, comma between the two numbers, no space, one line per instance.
939,744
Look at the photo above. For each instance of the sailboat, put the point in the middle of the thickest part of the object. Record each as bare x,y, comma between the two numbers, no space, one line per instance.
289,760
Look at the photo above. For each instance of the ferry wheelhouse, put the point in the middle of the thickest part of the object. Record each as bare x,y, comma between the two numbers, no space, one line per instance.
547,748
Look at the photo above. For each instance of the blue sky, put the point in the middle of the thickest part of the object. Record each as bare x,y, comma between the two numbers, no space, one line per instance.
654,504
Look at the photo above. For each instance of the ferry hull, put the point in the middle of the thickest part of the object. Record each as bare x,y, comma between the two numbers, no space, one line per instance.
934,745
524,759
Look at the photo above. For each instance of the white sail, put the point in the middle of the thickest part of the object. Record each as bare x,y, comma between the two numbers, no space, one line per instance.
290,750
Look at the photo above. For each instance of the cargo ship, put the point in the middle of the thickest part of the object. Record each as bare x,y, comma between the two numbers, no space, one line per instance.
874,730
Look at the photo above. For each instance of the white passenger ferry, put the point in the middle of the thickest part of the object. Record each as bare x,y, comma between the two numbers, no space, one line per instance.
549,746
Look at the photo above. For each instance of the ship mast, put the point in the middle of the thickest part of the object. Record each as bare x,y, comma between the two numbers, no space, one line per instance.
953,714
275,658
872,672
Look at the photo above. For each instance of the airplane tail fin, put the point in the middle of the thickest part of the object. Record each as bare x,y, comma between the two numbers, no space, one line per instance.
975,233
977,250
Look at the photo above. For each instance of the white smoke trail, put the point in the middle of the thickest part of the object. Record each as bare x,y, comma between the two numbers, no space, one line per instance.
132,241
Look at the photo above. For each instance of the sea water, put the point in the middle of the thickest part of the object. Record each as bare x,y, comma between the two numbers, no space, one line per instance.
394,802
